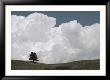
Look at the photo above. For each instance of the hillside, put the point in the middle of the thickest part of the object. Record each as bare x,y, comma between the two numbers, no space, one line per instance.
75,65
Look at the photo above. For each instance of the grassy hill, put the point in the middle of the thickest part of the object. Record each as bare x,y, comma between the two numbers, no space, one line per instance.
75,65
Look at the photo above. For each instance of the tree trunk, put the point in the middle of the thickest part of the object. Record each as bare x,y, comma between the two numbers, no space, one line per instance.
33,60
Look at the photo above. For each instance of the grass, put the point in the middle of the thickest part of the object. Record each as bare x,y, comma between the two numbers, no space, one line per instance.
75,65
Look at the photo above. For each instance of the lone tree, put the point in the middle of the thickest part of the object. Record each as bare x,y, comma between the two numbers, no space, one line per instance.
33,57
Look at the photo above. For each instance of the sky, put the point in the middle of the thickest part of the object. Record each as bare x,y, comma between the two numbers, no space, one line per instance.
84,17
56,37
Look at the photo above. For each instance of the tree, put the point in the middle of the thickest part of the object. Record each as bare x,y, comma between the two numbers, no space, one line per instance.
33,57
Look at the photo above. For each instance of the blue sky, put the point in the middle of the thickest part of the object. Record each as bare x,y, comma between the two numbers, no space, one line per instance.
83,17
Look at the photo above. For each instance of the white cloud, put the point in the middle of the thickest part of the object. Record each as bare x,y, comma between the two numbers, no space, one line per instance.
68,42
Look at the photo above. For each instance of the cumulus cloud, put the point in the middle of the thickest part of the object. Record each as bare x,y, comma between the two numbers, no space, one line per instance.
68,42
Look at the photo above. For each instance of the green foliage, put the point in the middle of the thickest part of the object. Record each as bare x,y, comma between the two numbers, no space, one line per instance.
75,65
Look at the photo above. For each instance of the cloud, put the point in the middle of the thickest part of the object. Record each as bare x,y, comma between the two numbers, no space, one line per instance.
68,42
